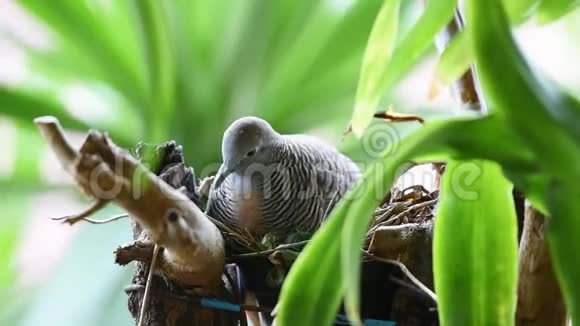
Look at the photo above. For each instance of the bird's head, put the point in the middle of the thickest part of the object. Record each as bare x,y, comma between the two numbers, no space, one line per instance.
247,141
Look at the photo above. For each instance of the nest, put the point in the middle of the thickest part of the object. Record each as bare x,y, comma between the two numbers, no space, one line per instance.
409,206
400,233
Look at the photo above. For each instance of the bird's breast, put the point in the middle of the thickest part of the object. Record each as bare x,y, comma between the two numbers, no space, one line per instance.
248,197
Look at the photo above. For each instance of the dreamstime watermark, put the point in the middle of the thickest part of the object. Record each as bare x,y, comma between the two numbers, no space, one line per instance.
283,182
463,178
294,182
380,140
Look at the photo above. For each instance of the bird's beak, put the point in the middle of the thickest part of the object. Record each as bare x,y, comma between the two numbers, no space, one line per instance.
221,176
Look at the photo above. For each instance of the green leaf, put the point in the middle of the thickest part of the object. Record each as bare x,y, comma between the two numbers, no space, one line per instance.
455,59
376,60
315,305
534,185
475,246
25,106
520,10
413,45
536,111
317,263
15,205
564,107
300,55
22,150
563,234
514,92
160,59
104,38
377,181
332,77
24,103
458,56
29,143
550,10
384,71
437,140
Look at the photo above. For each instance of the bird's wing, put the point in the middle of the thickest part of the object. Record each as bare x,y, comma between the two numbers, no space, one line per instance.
332,185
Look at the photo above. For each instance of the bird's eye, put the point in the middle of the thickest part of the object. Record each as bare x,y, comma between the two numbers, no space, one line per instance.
251,153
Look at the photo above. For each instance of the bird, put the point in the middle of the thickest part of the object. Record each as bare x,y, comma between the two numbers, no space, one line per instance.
277,184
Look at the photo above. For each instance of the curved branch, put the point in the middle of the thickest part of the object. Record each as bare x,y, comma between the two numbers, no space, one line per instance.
193,245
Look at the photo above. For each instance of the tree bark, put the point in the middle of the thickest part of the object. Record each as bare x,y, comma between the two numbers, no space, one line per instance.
539,299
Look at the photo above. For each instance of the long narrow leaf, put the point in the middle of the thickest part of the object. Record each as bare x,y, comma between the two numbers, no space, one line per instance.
563,234
520,10
550,10
319,261
160,58
315,305
475,246
96,37
535,114
436,15
455,59
389,68
458,56
301,54
515,92
25,106
376,60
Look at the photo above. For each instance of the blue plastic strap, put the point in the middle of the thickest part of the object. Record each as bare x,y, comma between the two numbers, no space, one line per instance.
342,319
218,304
376,322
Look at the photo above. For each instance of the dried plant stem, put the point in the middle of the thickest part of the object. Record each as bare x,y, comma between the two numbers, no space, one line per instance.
269,251
148,285
83,216
107,220
407,273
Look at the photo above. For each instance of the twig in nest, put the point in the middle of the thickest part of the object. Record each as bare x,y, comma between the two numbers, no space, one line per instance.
408,210
148,285
269,251
390,210
417,192
407,273
72,219
408,285
240,236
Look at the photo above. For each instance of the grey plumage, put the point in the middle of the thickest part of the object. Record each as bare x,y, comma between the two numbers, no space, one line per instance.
277,184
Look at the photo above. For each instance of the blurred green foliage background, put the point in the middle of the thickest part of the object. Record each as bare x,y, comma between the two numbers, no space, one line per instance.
159,70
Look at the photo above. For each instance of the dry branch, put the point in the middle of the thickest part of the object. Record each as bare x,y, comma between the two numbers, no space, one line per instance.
141,251
193,246
540,301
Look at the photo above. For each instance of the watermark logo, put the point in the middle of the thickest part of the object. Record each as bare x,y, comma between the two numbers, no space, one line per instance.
463,178
380,140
